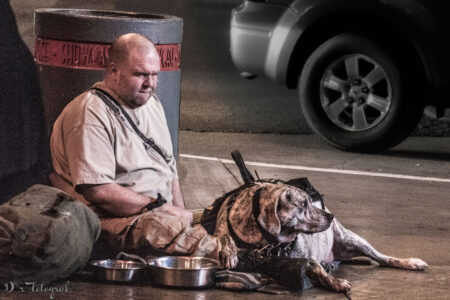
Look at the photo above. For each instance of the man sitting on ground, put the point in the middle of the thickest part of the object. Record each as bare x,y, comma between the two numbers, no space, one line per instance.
100,159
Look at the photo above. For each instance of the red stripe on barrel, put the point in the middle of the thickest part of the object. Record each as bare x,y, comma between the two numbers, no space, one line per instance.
93,56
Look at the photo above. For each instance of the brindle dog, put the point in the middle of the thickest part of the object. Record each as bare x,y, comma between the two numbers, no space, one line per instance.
273,213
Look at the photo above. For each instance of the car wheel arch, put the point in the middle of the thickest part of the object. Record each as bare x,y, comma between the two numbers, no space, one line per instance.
318,32
397,110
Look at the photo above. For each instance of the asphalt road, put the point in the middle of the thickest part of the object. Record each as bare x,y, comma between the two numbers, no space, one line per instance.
213,95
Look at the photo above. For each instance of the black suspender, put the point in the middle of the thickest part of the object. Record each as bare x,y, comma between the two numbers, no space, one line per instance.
117,109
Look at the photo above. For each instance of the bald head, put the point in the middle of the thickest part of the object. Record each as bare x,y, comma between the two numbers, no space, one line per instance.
120,50
133,67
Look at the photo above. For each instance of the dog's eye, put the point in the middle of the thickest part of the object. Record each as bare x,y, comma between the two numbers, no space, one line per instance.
304,204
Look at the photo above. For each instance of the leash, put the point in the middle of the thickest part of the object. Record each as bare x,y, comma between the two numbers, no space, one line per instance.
112,103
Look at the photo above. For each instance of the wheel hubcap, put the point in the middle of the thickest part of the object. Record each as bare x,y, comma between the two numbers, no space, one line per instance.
355,92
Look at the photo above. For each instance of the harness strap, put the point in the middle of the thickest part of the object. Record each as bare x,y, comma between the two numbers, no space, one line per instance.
245,173
117,109
256,212
239,243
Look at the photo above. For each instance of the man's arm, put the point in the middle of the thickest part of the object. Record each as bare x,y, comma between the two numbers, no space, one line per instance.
115,199
122,202
177,196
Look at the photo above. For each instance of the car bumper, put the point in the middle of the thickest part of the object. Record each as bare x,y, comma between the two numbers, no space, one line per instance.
252,25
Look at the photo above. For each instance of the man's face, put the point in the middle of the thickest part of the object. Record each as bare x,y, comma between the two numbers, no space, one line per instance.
136,77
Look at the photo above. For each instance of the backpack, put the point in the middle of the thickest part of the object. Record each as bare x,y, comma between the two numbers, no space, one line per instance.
45,235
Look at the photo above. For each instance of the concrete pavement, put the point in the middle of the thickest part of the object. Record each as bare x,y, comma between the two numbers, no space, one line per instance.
397,200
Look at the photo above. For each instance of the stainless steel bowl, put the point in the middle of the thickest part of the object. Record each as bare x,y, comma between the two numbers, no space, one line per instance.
119,270
181,271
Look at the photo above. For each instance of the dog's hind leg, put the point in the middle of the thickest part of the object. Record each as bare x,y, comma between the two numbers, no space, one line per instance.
348,244
319,277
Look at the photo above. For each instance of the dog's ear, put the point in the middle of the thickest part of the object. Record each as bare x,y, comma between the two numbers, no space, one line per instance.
241,214
268,218
268,203
241,217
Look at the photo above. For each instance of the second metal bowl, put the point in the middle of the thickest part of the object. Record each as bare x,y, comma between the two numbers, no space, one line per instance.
119,270
182,271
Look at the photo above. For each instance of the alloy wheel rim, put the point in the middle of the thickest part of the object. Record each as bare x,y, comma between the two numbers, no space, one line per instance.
355,92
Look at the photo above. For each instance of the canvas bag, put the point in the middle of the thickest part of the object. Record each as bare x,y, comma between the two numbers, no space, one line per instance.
45,235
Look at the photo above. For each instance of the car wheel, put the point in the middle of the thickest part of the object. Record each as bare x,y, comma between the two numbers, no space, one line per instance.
357,96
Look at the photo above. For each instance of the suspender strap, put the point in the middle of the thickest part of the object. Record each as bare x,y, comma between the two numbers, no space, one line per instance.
117,109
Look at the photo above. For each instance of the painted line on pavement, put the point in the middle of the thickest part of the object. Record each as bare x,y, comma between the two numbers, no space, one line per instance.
325,170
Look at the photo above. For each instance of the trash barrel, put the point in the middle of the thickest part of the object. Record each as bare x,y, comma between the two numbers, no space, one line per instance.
71,51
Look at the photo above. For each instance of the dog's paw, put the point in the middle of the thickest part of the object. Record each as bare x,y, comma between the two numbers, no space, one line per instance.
407,264
228,252
414,264
340,285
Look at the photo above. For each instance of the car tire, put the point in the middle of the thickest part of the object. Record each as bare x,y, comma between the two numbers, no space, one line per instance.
359,96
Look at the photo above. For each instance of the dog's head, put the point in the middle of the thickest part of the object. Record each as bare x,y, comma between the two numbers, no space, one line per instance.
284,212
291,212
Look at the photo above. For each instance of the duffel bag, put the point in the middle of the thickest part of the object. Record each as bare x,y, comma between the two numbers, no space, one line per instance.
45,235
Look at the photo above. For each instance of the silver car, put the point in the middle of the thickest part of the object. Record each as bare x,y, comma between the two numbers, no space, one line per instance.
365,69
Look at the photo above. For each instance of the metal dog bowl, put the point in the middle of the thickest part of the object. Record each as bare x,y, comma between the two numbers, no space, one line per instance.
119,270
181,271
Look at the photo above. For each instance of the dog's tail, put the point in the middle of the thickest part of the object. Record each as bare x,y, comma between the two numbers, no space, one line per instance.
245,173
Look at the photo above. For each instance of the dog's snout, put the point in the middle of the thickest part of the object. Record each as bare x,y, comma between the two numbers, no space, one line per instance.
330,217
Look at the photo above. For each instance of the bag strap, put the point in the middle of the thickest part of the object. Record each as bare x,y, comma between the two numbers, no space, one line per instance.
245,173
117,109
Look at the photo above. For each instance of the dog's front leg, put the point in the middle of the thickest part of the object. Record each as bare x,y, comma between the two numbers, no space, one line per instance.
318,276
348,244
228,252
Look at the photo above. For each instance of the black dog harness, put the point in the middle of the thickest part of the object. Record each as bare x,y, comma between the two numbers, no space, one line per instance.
274,247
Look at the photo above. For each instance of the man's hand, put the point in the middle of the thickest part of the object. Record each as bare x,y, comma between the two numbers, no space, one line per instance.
182,213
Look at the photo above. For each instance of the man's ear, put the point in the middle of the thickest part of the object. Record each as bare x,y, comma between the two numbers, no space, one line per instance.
113,67
113,70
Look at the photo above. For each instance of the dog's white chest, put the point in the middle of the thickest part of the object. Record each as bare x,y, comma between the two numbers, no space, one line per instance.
316,245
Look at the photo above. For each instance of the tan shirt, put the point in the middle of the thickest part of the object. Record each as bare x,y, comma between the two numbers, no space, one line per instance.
91,145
